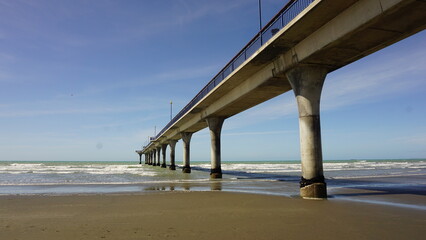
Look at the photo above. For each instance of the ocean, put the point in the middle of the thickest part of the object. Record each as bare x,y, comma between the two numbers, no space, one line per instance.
346,179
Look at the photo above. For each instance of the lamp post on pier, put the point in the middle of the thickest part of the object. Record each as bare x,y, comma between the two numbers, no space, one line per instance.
171,110
260,15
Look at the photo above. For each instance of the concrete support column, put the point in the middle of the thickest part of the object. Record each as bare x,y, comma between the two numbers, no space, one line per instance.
146,158
307,84
140,158
215,126
153,156
172,144
186,138
158,156
163,150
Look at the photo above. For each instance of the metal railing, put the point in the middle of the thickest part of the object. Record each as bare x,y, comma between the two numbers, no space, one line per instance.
287,13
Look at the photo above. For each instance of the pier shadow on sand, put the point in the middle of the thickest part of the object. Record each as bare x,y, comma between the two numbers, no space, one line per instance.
375,187
392,185
343,188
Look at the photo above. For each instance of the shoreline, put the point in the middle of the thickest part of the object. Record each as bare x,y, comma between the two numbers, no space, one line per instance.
202,215
401,191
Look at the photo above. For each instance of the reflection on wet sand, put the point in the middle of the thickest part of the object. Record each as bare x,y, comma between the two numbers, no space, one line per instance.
215,185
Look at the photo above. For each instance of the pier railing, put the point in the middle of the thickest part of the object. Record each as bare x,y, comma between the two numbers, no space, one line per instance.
287,13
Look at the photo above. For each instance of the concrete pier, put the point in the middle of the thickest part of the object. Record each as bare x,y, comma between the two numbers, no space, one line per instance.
163,150
186,138
323,37
158,155
215,127
307,82
172,144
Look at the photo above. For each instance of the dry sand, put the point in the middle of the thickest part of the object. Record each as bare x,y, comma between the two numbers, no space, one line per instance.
202,215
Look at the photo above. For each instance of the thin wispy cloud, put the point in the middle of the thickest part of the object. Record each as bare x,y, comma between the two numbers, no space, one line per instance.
118,124
279,107
418,140
195,9
144,81
70,111
185,74
4,76
6,58
33,18
374,82
253,133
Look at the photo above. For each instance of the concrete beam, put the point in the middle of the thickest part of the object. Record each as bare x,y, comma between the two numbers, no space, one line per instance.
363,28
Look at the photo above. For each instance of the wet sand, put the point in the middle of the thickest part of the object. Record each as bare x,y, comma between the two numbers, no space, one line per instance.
202,215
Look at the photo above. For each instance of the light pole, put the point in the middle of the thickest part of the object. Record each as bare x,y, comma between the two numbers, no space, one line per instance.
260,22
171,110
260,15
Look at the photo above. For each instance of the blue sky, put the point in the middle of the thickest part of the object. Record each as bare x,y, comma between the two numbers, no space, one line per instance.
90,80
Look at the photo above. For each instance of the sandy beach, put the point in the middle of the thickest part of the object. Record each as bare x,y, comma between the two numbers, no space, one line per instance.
202,215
